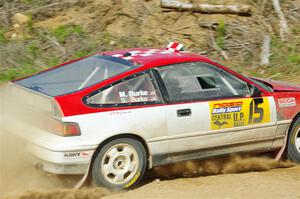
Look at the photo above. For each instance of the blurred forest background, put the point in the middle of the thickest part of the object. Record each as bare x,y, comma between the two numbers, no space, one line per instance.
37,34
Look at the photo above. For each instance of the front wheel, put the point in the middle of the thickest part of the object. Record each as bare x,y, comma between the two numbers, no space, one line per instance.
120,164
294,142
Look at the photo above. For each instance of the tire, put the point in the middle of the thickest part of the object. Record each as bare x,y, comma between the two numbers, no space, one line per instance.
294,142
120,164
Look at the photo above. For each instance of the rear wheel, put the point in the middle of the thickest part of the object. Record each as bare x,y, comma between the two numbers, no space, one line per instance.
120,164
294,142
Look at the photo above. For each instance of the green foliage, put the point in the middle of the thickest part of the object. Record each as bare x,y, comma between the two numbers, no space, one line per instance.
296,30
221,28
54,61
82,53
294,58
277,43
33,49
2,37
64,31
221,33
285,57
13,73
29,26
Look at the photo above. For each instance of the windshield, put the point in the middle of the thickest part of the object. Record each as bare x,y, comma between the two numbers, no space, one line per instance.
76,76
262,84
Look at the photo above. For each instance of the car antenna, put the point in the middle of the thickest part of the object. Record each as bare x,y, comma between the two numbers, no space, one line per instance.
128,54
271,77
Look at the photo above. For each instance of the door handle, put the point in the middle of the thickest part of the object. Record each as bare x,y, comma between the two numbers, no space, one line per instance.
184,112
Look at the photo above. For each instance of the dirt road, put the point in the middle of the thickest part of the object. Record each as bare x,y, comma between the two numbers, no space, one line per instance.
234,177
276,183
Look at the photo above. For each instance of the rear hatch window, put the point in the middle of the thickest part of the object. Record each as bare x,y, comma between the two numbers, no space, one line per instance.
77,75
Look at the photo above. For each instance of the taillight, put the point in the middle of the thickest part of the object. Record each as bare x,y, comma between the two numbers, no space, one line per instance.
64,128
71,129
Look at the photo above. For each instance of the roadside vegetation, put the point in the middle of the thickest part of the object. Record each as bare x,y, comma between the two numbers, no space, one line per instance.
29,47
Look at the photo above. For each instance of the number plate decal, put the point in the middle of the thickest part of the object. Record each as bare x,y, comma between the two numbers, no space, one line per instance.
235,113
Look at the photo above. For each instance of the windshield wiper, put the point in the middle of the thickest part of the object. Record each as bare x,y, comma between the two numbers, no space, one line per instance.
36,88
88,78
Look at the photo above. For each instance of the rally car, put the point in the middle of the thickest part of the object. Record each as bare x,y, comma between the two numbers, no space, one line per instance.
117,114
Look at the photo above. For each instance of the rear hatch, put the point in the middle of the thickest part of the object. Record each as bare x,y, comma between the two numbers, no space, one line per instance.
26,111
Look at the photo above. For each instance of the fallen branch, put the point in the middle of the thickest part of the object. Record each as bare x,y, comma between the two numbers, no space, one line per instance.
56,43
265,51
185,27
284,29
206,8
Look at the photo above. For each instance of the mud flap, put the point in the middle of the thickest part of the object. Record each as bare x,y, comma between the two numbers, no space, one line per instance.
82,181
280,153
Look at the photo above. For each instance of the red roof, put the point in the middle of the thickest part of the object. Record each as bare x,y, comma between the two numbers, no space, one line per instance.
155,56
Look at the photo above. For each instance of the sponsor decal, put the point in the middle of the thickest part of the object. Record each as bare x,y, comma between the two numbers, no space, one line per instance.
120,112
220,124
133,180
287,102
134,96
76,154
235,113
227,107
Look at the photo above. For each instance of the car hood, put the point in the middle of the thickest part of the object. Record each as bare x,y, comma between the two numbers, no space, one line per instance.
280,86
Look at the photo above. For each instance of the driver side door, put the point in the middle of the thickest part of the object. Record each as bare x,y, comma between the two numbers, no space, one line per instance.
209,108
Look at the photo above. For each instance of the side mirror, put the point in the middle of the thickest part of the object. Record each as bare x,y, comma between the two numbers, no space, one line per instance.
254,91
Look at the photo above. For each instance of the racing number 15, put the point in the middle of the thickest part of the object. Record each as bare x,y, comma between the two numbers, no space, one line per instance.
255,110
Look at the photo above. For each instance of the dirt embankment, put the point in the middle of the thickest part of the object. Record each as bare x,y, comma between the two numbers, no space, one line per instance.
68,29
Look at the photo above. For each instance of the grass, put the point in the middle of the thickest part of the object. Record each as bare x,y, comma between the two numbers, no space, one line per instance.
29,27
33,50
2,37
64,31
221,33
27,56
284,60
82,53
14,73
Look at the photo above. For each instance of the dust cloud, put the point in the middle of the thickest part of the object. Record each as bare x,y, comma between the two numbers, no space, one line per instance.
232,164
85,193
18,173
17,170
20,179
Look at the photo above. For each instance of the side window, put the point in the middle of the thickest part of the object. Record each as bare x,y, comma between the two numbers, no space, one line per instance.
201,81
139,89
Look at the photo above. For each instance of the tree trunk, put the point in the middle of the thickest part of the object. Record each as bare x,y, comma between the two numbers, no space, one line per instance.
284,29
265,51
206,8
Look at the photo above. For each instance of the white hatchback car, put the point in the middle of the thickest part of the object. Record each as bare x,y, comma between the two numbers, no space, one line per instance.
124,111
